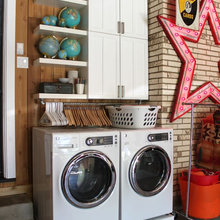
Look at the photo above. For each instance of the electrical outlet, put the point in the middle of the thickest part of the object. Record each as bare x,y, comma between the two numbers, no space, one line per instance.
22,62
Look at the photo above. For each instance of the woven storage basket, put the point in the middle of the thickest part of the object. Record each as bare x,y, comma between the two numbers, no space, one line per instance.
130,116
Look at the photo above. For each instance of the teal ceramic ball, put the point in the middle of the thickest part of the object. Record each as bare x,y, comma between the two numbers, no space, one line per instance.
71,17
71,46
62,54
53,20
49,46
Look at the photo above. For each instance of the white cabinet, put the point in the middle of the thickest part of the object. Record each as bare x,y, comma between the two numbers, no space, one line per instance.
103,16
134,68
134,18
103,66
118,49
128,17
113,76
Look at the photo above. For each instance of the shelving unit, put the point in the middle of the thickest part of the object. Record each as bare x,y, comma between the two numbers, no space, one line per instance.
78,4
43,29
80,34
58,62
104,47
59,96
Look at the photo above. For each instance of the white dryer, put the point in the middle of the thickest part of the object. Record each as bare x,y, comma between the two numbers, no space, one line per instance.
146,173
164,217
75,174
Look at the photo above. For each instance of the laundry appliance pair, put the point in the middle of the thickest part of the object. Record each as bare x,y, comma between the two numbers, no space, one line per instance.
97,174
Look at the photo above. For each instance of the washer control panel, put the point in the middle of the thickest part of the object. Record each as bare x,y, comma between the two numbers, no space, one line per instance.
159,137
96,141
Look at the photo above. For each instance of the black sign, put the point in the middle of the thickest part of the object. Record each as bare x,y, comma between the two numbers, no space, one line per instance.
187,13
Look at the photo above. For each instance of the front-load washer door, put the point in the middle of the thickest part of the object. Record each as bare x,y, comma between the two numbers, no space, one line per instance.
88,179
149,170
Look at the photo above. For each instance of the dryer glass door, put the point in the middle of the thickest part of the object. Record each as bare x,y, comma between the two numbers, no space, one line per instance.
88,179
150,170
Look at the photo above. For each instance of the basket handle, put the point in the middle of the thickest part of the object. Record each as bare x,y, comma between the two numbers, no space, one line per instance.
152,108
118,109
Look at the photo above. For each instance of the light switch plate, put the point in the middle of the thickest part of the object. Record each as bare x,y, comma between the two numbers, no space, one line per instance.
20,48
22,62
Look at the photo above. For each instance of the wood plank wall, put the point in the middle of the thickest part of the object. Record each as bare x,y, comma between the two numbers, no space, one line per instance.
20,105
28,111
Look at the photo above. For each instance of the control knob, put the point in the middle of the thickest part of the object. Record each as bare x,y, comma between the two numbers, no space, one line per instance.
150,138
89,141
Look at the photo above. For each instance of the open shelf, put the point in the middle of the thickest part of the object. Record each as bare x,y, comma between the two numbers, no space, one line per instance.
59,31
59,96
58,62
63,3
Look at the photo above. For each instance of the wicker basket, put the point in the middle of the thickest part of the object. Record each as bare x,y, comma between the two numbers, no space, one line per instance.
130,116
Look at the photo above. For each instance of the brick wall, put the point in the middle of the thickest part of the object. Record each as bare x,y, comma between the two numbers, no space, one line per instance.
164,68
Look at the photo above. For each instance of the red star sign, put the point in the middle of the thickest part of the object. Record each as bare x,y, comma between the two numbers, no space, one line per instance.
177,36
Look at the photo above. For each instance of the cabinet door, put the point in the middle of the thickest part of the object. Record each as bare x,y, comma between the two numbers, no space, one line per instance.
104,16
134,15
103,66
134,68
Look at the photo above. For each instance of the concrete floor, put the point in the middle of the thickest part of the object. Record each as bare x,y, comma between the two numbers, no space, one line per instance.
183,217
16,207
22,211
20,207
180,215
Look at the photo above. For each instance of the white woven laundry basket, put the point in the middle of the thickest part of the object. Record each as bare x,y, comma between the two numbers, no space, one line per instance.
133,116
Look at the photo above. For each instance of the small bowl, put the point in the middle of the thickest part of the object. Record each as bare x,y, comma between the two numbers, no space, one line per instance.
64,80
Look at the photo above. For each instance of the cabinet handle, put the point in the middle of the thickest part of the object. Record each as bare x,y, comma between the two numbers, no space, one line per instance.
119,27
123,91
122,27
119,92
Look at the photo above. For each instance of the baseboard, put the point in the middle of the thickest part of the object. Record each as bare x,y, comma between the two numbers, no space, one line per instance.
14,190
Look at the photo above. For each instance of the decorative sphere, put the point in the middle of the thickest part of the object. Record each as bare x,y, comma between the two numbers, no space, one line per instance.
49,46
62,22
62,54
53,20
46,20
71,17
71,46
49,20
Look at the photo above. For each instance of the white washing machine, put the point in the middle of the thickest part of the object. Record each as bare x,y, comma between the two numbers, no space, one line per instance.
146,173
76,174
164,217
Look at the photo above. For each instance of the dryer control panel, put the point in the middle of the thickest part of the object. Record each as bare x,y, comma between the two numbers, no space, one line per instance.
96,141
159,137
